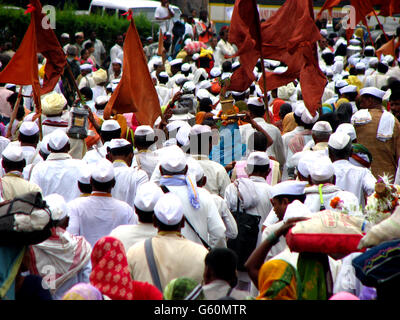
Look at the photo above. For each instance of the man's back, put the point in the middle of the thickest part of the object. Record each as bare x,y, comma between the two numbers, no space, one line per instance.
96,216
174,256
13,185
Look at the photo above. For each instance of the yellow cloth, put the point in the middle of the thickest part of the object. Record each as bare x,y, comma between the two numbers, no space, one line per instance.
206,53
341,101
277,281
288,123
353,80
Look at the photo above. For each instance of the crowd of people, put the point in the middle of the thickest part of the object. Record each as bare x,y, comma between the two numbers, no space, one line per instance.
153,212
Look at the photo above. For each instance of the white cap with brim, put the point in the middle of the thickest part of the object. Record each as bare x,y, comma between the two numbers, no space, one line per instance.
13,152
322,126
373,92
175,62
169,209
341,83
349,129
348,89
58,139
289,187
339,140
322,169
144,130
174,161
215,72
147,196
110,125
258,158
188,86
57,205
86,66
118,143
103,171
29,128
202,94
258,102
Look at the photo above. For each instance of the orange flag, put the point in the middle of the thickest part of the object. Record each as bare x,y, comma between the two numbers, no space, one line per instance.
328,5
387,48
23,67
135,91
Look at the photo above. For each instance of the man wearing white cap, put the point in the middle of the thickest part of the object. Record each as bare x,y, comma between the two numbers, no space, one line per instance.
127,179
110,129
116,70
175,256
146,198
100,104
29,139
257,111
321,131
97,215
59,173
349,177
199,206
164,93
199,148
144,142
12,183
69,255
85,78
379,131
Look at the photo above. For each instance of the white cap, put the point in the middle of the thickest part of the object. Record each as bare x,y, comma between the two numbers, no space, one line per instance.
202,94
339,140
110,125
323,32
258,102
373,61
147,196
322,126
196,170
117,60
175,62
86,66
57,205
205,84
80,33
373,92
144,131
43,144
85,172
235,64
348,89
182,135
360,66
329,71
349,129
307,118
169,209
177,124
199,129
288,187
65,35
215,72
258,158
188,86
175,160
304,163
327,51
29,128
58,139
13,152
355,42
341,83
195,56
179,78
163,74
101,100
322,169
185,67
103,171
118,143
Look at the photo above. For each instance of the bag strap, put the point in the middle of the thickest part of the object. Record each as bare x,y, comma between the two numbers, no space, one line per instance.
205,244
152,263
321,198
229,292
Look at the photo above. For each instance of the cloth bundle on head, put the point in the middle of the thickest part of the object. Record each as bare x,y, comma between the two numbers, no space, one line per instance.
58,139
285,92
169,209
53,103
346,202
110,125
278,280
99,76
13,152
147,196
103,172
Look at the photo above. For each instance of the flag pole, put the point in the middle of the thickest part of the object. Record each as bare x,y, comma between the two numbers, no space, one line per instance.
14,112
380,25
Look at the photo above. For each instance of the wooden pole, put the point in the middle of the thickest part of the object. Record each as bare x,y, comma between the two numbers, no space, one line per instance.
265,89
74,82
14,112
380,25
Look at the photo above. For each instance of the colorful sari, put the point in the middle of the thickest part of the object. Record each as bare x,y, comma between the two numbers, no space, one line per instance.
278,280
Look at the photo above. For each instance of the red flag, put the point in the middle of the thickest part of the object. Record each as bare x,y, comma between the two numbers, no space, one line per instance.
295,45
390,8
135,91
23,67
49,46
244,32
328,5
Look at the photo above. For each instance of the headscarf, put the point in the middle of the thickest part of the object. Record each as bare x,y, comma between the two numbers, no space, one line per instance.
278,280
276,107
111,276
83,291
361,155
183,289
340,101
315,276
288,123
326,108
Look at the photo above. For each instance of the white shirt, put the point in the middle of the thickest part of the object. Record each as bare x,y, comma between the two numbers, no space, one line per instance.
98,91
313,201
206,220
127,180
86,81
227,217
115,52
96,154
357,180
96,216
58,174
224,48
220,288
145,160
165,25
164,94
